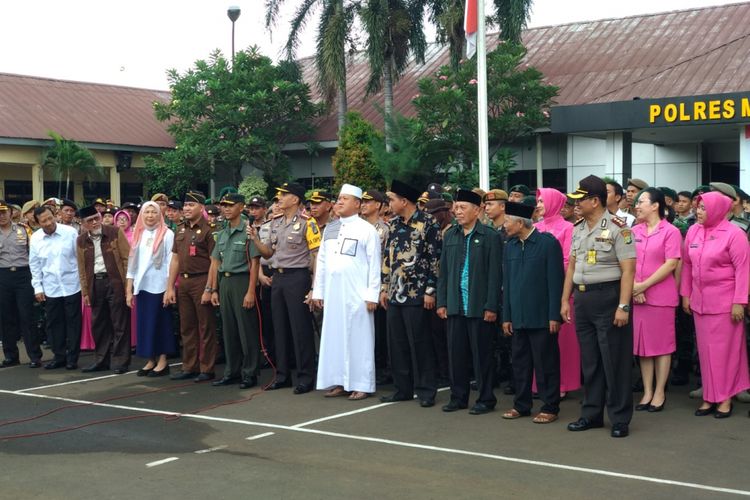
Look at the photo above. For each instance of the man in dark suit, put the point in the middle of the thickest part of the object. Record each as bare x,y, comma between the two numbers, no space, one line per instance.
468,296
102,253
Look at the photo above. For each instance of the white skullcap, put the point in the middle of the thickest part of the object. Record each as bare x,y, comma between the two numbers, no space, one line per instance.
351,191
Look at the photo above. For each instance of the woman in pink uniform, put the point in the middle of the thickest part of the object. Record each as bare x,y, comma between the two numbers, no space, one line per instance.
655,297
549,204
714,289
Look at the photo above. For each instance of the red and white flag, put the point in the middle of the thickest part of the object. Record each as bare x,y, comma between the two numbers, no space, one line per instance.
470,27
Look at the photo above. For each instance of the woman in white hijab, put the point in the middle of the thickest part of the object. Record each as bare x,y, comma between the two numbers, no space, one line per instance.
148,268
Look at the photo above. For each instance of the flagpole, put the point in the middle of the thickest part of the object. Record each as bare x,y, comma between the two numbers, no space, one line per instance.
484,161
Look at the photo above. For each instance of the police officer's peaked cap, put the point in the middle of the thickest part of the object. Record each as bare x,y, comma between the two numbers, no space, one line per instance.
294,188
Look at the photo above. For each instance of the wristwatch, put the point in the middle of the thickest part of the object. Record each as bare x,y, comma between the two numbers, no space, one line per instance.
624,307
208,289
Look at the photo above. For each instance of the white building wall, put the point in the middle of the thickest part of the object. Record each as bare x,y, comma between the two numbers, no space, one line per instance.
677,165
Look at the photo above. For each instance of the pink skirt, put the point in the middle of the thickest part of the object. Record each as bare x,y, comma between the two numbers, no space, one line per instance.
87,339
653,330
722,353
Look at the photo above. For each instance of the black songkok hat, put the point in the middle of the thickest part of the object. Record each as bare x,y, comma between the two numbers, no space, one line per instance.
518,209
85,212
469,196
405,191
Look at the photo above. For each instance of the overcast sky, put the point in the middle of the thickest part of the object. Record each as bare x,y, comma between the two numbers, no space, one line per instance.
134,42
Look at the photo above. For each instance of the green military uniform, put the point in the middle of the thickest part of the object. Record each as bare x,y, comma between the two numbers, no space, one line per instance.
235,251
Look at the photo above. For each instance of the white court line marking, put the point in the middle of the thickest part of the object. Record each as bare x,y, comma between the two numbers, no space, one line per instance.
260,436
404,444
209,450
80,381
339,415
160,462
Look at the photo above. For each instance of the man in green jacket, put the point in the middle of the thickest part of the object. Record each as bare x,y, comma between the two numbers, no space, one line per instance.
532,284
468,295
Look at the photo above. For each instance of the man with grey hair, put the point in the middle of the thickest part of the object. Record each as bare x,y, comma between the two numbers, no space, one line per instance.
532,282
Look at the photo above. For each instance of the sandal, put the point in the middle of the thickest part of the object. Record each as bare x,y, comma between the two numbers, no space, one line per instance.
336,392
513,414
545,418
358,396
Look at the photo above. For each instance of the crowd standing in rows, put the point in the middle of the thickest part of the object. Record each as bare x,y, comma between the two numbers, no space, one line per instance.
415,288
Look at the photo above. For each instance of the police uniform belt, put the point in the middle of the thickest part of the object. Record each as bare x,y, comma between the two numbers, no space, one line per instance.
286,270
13,269
597,286
192,275
100,276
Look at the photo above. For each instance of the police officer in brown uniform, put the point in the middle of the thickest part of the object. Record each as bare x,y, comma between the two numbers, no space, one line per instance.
16,292
295,238
191,260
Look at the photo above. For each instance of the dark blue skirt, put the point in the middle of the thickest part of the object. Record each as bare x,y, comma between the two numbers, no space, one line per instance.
153,326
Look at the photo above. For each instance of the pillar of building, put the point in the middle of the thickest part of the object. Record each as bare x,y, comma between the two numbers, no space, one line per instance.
114,186
37,183
78,196
619,156
745,158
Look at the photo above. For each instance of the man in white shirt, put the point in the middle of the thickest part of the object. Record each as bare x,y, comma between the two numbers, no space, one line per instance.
614,196
54,276
347,285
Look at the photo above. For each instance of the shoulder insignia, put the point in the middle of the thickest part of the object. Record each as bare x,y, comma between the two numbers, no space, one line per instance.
619,222
578,222
276,216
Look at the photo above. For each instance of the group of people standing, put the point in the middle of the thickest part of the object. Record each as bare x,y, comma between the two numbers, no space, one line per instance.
409,286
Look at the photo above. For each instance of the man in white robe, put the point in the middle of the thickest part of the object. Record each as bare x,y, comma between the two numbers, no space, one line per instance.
347,286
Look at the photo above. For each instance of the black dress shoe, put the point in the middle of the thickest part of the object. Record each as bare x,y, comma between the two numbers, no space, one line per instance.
480,409
159,373
656,409
642,406
454,406
183,376
724,414
9,362
584,424
302,388
249,382
225,381
426,403
95,368
143,372
54,365
204,377
702,412
35,364
71,366
620,431
279,385
121,370
393,398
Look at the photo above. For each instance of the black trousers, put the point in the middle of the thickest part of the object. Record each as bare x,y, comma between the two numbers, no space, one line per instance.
606,356
536,352
439,334
381,340
64,326
471,342
110,326
411,352
292,316
16,312
267,317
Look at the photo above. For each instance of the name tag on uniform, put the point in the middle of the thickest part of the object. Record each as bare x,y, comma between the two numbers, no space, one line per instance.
591,257
192,251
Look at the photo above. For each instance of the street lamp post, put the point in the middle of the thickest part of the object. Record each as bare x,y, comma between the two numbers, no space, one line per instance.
233,13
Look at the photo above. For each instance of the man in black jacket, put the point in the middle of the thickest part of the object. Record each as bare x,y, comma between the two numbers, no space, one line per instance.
469,297
532,282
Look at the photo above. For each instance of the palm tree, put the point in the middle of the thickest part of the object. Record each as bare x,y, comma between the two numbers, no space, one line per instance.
394,30
333,36
66,157
510,17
